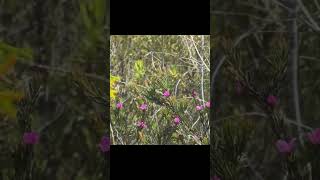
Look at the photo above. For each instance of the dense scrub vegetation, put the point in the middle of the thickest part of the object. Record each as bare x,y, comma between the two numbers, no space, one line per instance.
160,89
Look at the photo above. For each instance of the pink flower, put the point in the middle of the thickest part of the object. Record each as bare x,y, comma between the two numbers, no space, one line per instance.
194,93
199,108
208,104
166,93
215,178
104,144
143,107
119,105
272,100
177,120
30,138
284,146
141,124
314,137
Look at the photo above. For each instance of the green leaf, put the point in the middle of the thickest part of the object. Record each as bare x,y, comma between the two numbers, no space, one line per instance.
139,69
20,53
7,107
99,11
84,15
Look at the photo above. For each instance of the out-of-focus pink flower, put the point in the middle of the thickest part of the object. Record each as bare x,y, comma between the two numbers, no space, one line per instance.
143,107
199,108
208,104
177,120
238,88
284,146
104,144
119,105
215,178
194,93
314,136
141,124
166,93
30,138
272,100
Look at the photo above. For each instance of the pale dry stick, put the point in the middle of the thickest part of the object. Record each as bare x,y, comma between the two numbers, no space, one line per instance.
119,138
244,14
201,58
202,84
317,4
285,176
152,61
176,87
187,112
202,70
293,61
202,74
155,113
195,122
112,135
192,58
189,49
191,64
310,170
310,58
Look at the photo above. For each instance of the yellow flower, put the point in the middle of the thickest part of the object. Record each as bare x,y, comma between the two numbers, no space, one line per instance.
113,80
113,94
113,91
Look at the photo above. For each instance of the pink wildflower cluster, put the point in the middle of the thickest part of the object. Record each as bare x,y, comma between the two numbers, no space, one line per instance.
201,107
272,101
30,138
215,178
287,147
177,120
314,136
143,107
284,146
141,124
104,144
166,93
119,105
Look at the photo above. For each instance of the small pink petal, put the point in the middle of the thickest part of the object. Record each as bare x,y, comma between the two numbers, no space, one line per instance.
199,108
215,178
272,100
208,104
177,120
119,105
314,137
166,93
30,138
285,147
143,107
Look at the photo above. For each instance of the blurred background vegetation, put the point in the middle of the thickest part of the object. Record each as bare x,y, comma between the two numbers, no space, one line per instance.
53,81
251,43
145,66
